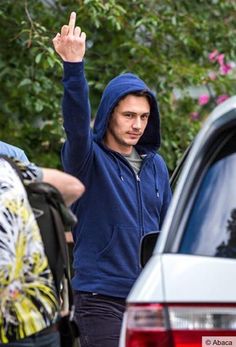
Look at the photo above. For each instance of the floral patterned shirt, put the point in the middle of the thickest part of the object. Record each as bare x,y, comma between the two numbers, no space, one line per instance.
28,299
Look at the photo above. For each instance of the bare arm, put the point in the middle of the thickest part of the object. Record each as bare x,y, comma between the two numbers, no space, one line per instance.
70,42
69,186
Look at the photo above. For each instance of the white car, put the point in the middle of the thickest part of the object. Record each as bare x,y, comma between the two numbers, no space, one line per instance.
186,293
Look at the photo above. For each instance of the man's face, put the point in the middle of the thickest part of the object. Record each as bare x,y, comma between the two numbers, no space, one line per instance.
127,123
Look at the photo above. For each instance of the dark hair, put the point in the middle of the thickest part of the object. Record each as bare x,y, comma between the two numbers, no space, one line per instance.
140,93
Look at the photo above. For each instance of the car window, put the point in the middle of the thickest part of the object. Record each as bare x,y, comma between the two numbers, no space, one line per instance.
211,227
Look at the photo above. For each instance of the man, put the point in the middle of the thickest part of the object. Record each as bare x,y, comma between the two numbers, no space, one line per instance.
13,151
127,187
29,306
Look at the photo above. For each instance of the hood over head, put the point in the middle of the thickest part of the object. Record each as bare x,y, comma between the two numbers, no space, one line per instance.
116,89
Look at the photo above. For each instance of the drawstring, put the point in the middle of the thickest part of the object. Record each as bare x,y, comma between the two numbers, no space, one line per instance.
119,170
122,178
119,167
155,178
116,160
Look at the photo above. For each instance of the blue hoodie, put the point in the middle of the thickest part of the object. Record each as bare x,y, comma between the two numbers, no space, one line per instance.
118,207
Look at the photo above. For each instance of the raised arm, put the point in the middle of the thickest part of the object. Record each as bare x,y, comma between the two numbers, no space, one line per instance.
70,45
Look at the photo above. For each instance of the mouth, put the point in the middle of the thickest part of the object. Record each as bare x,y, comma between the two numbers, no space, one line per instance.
134,134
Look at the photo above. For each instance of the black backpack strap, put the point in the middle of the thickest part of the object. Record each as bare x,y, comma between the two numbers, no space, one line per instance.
63,248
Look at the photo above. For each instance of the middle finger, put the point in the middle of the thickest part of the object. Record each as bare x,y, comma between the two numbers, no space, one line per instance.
72,23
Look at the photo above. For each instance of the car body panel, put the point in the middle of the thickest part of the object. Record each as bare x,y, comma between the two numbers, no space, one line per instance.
182,278
149,289
198,279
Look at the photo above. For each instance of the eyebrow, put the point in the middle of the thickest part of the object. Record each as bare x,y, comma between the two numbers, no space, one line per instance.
134,113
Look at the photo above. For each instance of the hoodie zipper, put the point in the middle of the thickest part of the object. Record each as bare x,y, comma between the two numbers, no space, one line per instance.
140,203
138,183
138,189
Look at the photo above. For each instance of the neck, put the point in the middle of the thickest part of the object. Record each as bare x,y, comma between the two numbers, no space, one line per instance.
122,149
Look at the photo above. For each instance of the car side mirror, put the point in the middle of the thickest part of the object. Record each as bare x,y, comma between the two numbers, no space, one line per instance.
147,245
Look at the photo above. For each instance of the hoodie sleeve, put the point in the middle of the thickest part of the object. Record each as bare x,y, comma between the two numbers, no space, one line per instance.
76,112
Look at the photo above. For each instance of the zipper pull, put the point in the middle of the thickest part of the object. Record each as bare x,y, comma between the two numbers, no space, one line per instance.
137,178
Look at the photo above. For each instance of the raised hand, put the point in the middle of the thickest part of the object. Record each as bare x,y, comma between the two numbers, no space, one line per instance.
70,43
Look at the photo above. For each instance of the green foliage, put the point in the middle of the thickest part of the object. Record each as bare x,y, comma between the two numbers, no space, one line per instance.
165,42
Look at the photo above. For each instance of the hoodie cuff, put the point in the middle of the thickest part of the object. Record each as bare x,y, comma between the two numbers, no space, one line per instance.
72,69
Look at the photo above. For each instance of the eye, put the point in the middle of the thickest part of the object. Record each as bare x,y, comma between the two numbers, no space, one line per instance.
128,115
144,116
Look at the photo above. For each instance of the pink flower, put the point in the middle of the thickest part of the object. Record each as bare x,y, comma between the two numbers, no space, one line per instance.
213,55
212,75
225,69
194,115
203,99
221,98
220,58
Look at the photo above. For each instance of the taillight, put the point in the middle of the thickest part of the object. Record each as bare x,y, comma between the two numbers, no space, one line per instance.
157,325
147,326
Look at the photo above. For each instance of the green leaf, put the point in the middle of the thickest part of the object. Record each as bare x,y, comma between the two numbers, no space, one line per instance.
38,58
24,82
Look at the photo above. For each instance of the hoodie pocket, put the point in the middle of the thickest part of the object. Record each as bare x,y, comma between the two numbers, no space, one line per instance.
120,257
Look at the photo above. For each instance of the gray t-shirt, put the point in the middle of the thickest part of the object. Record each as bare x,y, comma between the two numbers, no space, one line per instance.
135,160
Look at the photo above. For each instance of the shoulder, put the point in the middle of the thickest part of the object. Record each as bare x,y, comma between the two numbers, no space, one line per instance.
13,151
28,172
159,160
161,164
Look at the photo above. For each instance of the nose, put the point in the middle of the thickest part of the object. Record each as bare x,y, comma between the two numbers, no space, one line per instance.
137,123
